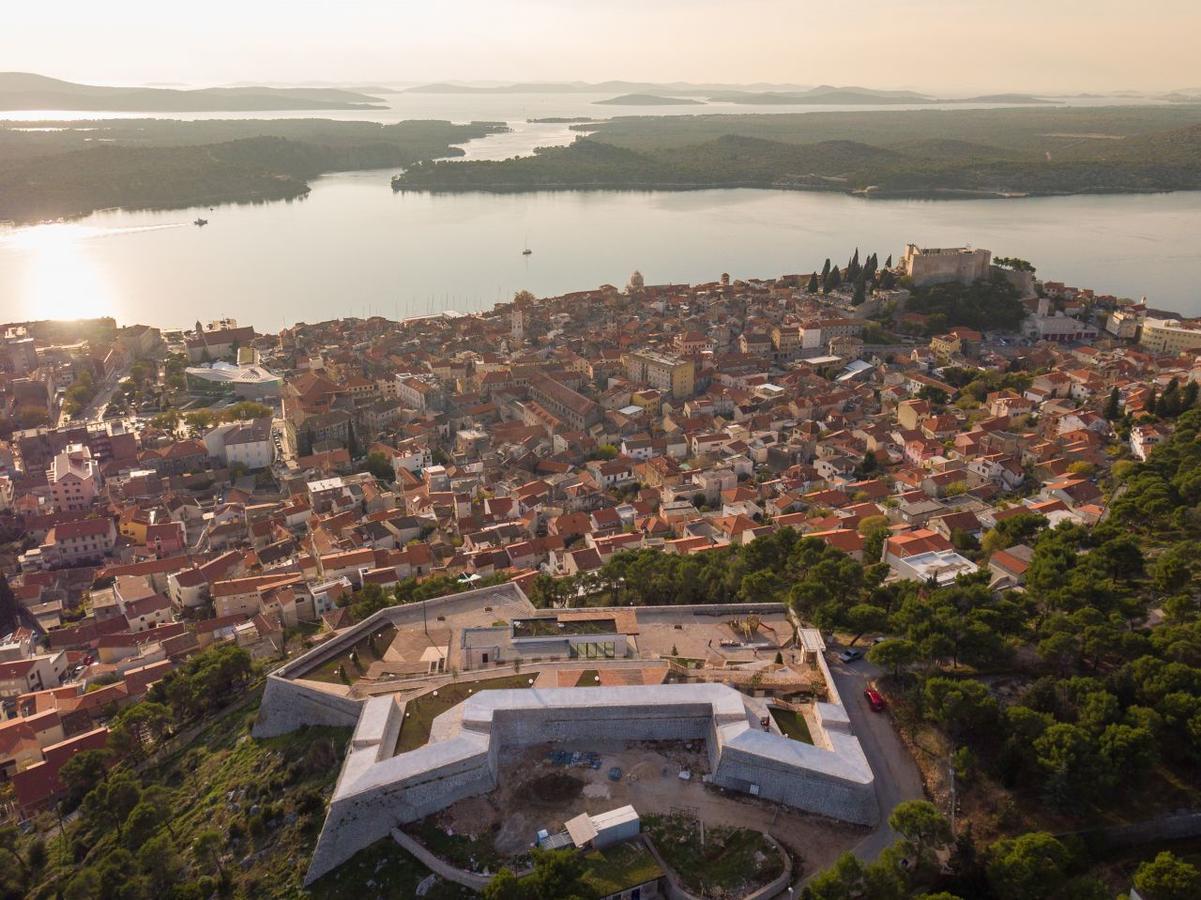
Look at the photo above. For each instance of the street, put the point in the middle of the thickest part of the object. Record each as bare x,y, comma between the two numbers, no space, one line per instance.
897,776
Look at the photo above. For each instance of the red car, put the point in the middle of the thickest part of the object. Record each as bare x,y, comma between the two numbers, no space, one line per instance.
874,699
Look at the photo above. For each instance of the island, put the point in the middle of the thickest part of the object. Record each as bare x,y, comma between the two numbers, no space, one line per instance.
648,100
978,153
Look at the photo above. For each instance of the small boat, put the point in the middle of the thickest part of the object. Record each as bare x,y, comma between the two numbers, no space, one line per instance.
526,252
200,223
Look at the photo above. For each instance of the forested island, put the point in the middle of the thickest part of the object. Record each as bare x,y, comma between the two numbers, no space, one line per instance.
75,168
977,153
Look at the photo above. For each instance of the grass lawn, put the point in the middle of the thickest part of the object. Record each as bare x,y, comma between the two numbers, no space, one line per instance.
731,862
588,678
793,724
383,869
475,854
421,712
366,651
619,868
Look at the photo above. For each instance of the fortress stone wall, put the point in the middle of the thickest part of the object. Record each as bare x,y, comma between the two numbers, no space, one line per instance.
376,792
925,266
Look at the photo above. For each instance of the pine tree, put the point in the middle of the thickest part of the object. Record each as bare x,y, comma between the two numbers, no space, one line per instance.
813,285
826,268
1113,406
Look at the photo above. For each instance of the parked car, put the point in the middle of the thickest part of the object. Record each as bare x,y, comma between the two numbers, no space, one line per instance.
849,656
874,700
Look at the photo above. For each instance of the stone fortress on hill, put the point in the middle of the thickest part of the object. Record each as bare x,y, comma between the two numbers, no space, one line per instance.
641,692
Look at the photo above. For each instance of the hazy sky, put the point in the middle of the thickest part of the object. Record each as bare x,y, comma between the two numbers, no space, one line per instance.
959,46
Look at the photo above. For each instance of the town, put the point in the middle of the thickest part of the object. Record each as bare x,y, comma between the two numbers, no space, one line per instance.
820,568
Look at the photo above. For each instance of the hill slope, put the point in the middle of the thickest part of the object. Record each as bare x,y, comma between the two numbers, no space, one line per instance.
24,91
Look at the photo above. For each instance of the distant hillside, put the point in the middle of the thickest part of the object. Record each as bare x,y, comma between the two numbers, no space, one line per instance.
648,100
165,164
23,91
585,87
1003,98
824,95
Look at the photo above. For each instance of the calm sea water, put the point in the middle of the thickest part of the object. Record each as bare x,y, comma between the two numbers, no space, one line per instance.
352,247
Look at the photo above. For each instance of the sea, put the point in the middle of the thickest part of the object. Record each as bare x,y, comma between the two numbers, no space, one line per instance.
352,247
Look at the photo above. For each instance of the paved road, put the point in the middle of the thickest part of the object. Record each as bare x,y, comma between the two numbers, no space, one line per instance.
897,775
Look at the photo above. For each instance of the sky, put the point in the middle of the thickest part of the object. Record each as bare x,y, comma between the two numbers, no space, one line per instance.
946,46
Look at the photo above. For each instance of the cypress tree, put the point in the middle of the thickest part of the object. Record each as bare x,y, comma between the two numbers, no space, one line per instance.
813,285
835,278
888,262
826,268
860,293
1113,406
870,267
8,606
1150,405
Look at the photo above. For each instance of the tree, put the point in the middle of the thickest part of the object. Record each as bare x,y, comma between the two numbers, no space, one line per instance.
136,724
10,844
556,874
864,617
1067,754
1167,877
9,608
160,862
379,466
82,772
1113,406
922,827
1188,397
894,654
964,707
1032,866
860,296
207,847
813,286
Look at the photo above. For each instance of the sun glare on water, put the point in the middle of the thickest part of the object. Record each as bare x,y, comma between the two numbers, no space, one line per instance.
60,279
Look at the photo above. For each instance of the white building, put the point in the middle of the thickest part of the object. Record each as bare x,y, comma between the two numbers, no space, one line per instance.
74,479
1143,438
247,443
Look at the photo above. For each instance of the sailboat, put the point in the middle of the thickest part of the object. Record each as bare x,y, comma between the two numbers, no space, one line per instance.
200,223
527,251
